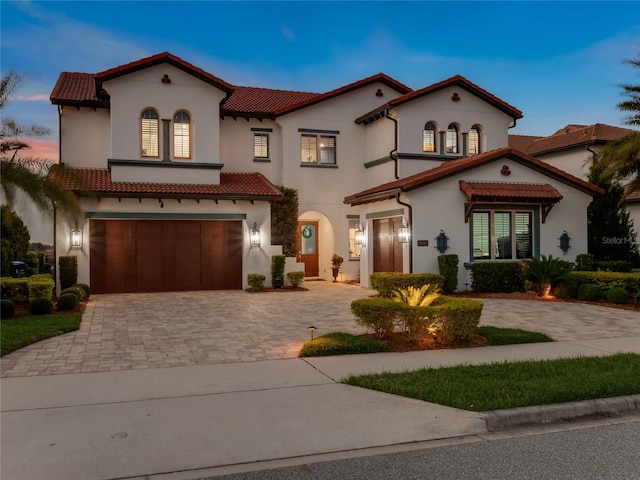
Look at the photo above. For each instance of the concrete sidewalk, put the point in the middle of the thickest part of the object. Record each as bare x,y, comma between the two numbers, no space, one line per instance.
193,421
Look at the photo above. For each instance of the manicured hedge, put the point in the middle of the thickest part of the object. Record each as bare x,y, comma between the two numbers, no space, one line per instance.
387,282
377,314
68,266
497,277
448,265
607,280
20,290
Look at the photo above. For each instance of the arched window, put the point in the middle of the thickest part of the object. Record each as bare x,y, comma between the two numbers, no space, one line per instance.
149,133
429,137
474,140
451,145
181,135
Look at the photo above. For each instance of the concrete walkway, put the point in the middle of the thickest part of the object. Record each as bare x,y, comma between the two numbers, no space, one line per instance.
222,415
141,331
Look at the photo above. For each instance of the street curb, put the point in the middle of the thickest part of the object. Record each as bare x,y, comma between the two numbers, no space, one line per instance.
563,412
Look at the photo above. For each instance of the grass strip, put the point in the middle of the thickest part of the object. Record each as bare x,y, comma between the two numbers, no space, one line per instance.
16,333
513,384
511,336
339,343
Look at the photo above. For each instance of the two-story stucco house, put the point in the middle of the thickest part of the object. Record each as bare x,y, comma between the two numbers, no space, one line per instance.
176,169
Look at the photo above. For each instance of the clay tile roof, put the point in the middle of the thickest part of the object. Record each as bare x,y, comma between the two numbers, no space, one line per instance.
74,88
453,167
164,57
249,186
505,191
245,100
522,142
631,196
571,136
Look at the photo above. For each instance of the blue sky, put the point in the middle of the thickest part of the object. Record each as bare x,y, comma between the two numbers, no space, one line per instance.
558,62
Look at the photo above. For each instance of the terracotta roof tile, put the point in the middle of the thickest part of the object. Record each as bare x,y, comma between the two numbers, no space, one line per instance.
571,136
453,167
631,196
74,88
505,191
262,100
232,185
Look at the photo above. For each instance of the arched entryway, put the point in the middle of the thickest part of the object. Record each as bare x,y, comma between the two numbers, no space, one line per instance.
315,241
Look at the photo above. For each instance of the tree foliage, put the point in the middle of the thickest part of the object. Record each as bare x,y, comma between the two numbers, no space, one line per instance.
26,173
14,239
284,221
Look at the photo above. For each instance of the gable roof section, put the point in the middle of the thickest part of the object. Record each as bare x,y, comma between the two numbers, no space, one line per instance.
454,167
233,186
76,89
455,81
160,58
262,102
569,137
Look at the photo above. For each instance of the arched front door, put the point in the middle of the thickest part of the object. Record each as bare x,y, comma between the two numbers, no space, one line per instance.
308,247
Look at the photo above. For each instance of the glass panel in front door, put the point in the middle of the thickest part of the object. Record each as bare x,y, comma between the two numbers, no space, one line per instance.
308,239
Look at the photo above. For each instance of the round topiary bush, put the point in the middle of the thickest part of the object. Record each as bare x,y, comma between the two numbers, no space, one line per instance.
589,292
77,291
618,295
85,287
41,306
8,309
566,289
67,301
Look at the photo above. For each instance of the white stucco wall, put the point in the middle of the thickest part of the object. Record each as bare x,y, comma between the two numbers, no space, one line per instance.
576,161
85,137
135,92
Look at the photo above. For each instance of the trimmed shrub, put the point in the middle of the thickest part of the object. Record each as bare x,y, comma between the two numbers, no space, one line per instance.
613,265
41,306
448,265
33,263
458,318
67,301
585,262
277,270
566,289
618,295
377,314
386,282
41,286
545,272
497,277
256,281
589,292
606,280
15,289
77,291
296,278
85,287
68,270
7,308
339,343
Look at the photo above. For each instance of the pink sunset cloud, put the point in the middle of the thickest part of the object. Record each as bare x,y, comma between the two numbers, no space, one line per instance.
43,149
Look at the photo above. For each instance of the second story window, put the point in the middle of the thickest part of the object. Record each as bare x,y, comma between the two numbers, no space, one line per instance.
149,128
181,135
429,138
451,139
318,149
260,145
474,140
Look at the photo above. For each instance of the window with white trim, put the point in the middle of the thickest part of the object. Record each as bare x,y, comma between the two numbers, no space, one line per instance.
354,248
181,135
260,145
429,137
149,133
502,234
451,139
318,149
474,140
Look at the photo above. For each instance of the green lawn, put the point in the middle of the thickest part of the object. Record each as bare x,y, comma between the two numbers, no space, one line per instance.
511,336
16,333
513,384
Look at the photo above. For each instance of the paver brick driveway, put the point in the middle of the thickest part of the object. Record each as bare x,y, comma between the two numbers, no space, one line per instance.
137,331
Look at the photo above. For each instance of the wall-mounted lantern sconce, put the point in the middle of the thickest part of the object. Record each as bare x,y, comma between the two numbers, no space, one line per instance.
359,236
442,242
76,236
403,233
565,242
254,236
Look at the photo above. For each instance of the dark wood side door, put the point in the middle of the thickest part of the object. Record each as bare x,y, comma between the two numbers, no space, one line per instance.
308,248
387,250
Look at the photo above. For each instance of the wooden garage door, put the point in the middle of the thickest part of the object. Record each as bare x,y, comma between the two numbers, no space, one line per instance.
165,255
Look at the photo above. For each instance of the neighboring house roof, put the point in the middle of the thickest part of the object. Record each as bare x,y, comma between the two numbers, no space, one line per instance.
453,167
233,186
455,81
85,89
569,137
631,196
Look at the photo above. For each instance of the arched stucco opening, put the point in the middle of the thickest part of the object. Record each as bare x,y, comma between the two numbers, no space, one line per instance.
321,230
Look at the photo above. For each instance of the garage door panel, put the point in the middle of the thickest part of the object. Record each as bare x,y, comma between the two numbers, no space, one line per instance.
165,255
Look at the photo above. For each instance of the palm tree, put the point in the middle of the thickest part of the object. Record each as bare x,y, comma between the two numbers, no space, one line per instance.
28,174
545,272
622,156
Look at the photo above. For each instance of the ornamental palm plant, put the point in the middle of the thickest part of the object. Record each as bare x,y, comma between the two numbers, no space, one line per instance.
416,320
545,272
